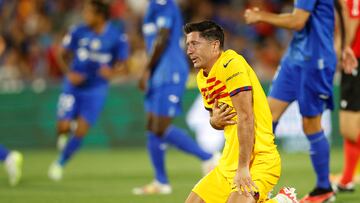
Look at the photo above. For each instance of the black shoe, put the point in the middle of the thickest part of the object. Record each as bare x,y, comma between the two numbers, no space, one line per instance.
319,195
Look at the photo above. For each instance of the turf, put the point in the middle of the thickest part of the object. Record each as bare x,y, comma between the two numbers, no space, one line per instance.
109,175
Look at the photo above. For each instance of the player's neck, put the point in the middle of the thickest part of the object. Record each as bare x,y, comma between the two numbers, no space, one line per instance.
99,27
211,63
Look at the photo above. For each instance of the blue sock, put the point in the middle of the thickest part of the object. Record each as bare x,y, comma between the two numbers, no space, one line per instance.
71,147
275,124
3,153
156,148
320,155
183,141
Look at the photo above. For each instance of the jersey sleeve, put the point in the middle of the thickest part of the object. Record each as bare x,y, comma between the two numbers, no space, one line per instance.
235,75
354,8
70,39
122,47
307,5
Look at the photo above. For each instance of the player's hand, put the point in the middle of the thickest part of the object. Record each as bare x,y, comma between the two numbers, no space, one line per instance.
252,15
221,115
75,78
348,60
244,183
106,72
143,80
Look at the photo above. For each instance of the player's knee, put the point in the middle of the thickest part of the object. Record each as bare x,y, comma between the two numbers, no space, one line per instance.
158,132
63,127
312,125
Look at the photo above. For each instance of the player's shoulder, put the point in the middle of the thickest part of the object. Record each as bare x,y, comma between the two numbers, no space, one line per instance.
230,57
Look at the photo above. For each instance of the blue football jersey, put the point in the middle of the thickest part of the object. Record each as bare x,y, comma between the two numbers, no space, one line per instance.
172,66
92,50
315,42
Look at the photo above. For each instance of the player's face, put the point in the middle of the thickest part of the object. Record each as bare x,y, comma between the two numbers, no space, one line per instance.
89,14
199,50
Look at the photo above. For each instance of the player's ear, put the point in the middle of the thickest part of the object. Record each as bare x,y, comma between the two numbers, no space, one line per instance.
216,45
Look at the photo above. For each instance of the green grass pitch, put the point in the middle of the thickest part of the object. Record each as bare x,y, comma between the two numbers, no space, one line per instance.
109,175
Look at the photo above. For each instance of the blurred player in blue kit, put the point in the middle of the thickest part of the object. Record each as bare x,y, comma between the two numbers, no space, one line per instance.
163,81
97,50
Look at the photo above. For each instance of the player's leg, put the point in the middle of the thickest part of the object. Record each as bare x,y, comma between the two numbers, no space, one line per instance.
75,141
237,197
3,153
194,198
66,111
283,90
316,85
13,164
87,109
63,130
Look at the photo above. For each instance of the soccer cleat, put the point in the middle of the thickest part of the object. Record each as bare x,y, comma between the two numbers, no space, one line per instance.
55,172
210,164
61,142
13,166
319,195
340,188
286,195
153,188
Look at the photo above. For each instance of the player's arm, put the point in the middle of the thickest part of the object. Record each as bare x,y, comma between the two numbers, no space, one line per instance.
120,66
221,116
292,21
243,104
64,57
159,46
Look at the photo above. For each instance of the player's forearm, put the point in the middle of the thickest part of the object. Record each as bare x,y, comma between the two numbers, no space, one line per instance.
159,47
120,68
286,20
246,139
63,58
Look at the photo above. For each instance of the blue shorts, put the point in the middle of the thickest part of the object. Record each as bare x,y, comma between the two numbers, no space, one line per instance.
310,83
165,100
87,104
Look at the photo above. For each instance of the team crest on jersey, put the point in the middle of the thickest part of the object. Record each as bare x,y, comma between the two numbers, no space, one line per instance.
95,44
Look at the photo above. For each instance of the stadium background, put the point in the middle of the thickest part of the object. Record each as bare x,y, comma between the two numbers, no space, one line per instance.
30,82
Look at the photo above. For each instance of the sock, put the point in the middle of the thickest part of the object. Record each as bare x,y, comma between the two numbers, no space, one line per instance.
71,147
351,157
3,153
156,148
183,141
320,155
274,125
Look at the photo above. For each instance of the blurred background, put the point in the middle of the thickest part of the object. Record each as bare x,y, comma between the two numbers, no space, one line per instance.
30,75
30,82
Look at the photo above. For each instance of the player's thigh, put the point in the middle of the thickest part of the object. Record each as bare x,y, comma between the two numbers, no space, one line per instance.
237,197
349,124
265,172
194,198
67,107
277,107
213,188
91,105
